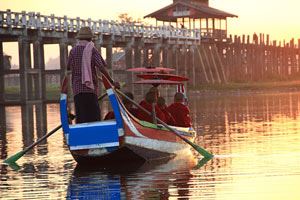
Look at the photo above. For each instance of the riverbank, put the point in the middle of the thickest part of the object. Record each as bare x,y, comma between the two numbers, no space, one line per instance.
250,86
245,88
53,91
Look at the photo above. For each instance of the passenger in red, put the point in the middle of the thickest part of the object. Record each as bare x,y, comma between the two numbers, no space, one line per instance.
180,112
109,115
128,105
161,102
150,98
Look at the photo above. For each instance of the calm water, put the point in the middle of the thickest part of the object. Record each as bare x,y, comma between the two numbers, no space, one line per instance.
255,138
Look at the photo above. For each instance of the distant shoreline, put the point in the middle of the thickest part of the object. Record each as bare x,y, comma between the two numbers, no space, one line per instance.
53,91
249,86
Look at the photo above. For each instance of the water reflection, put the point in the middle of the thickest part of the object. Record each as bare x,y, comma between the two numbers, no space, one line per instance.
133,181
255,138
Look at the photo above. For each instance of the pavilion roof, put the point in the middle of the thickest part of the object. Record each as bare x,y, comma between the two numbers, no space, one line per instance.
195,11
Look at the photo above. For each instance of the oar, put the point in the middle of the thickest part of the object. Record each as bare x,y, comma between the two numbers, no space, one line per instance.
17,156
202,151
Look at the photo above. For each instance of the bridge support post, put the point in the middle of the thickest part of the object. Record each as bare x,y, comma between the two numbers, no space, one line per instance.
165,54
138,45
41,118
2,97
26,90
63,55
175,55
40,87
138,54
156,55
146,61
109,60
180,69
170,57
192,70
128,60
39,64
25,65
27,123
2,85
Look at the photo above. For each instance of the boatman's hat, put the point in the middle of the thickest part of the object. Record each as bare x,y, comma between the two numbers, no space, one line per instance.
85,33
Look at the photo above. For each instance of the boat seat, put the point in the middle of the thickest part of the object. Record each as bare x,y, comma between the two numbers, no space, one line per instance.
93,135
88,135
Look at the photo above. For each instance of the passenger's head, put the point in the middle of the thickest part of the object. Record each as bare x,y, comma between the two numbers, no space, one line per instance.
155,90
179,97
151,97
125,101
161,102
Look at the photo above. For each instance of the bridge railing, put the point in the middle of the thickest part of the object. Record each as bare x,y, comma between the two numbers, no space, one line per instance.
32,20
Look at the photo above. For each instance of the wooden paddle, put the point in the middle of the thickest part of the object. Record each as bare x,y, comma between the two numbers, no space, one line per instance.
17,156
200,150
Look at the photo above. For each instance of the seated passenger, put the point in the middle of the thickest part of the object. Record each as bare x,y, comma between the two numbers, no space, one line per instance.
109,115
179,111
128,104
155,90
161,102
150,99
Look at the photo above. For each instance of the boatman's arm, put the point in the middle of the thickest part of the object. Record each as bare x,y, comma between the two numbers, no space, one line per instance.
101,64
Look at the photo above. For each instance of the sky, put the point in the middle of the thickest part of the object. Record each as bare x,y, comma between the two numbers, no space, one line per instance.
279,19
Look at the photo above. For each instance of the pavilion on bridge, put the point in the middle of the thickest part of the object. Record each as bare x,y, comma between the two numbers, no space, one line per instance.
195,14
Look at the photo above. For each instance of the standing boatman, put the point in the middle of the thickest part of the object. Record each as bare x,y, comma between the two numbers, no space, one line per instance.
84,61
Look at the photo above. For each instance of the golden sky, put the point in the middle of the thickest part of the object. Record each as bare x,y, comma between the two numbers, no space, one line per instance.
278,18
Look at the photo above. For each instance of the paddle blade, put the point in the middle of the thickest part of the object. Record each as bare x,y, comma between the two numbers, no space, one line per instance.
14,158
202,151
202,162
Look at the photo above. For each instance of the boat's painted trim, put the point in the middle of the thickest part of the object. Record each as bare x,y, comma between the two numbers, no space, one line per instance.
158,145
95,146
129,123
116,107
94,124
64,113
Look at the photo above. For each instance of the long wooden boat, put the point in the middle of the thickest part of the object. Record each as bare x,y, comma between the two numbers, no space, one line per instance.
124,139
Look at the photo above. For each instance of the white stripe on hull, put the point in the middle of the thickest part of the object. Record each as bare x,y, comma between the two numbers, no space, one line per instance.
129,123
157,145
94,146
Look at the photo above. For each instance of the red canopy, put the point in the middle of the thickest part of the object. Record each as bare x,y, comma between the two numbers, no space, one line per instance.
158,76
157,82
151,70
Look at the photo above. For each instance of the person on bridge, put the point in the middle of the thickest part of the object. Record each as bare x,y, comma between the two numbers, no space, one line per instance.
84,61
179,111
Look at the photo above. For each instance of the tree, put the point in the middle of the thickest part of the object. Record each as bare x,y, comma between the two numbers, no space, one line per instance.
125,18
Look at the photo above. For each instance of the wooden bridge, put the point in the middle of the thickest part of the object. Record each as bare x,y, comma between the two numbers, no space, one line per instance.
178,48
203,60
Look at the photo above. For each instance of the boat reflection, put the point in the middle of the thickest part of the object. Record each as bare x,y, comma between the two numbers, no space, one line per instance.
133,180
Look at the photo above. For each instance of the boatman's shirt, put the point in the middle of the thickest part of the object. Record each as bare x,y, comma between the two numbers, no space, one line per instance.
74,64
181,114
